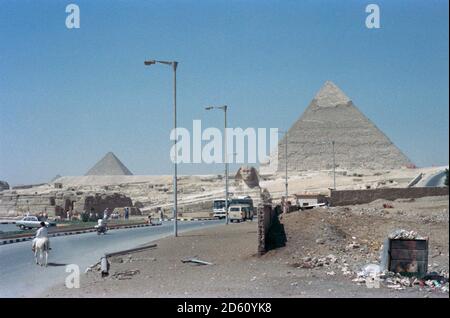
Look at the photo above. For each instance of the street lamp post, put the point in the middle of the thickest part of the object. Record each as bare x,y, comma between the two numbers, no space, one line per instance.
224,108
334,167
334,163
174,65
286,193
286,163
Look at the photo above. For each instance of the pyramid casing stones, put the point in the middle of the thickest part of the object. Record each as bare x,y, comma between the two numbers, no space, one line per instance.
330,116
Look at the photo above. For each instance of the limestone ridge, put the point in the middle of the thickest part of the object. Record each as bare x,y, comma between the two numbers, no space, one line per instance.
330,116
109,165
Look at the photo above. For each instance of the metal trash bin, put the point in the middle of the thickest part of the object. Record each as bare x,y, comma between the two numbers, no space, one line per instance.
408,257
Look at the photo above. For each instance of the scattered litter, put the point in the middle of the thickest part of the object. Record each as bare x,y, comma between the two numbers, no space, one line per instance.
95,266
104,263
345,271
313,262
436,276
396,286
370,270
406,282
405,235
352,245
125,274
331,258
197,261
388,206
359,280
398,282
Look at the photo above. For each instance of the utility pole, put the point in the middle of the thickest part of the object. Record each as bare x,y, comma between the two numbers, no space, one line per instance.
174,65
175,166
286,192
334,167
286,163
224,108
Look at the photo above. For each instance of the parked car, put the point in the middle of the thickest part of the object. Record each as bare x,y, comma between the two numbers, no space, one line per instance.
30,222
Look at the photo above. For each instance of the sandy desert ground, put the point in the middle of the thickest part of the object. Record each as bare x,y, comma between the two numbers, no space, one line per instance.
326,248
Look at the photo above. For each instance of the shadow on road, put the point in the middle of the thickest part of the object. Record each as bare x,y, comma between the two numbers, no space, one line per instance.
56,264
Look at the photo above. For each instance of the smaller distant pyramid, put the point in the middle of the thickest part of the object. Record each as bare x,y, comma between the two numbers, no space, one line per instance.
56,178
109,165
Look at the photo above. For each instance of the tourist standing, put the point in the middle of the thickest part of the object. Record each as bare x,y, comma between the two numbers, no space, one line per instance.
105,214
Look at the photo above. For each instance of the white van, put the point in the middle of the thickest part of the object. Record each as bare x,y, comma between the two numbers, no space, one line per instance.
240,212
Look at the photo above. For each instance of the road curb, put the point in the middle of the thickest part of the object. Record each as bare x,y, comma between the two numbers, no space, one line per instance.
195,219
8,222
28,238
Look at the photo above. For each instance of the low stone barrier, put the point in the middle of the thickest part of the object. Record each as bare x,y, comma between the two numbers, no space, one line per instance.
350,197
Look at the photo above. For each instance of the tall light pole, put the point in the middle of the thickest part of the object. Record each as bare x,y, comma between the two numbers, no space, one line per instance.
334,162
334,167
286,161
174,65
224,108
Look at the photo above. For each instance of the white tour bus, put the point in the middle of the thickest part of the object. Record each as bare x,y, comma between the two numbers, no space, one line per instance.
219,209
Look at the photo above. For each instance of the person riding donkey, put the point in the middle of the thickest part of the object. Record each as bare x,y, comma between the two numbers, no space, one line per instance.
42,232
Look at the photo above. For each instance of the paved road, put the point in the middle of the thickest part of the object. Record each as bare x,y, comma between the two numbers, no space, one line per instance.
8,228
20,277
436,180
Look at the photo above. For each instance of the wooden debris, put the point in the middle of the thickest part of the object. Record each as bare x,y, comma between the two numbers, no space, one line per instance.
196,261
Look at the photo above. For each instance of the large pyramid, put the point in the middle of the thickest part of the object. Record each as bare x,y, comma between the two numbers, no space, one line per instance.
332,116
109,165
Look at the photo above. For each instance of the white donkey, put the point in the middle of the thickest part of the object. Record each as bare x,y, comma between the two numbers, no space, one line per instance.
41,249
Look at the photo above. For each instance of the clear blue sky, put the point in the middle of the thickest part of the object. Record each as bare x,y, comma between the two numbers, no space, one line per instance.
69,96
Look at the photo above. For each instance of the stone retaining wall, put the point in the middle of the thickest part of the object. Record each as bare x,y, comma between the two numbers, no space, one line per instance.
350,197
55,204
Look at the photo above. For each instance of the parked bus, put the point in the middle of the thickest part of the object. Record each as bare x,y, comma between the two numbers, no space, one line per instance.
219,209
242,201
